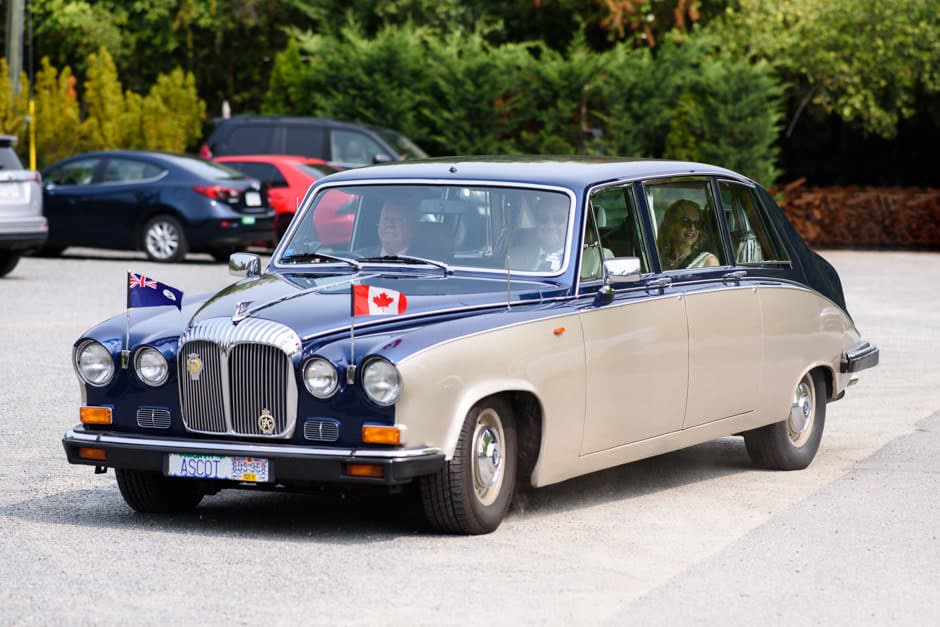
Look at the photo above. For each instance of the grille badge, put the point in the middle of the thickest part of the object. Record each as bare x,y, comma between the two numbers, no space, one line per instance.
194,365
266,422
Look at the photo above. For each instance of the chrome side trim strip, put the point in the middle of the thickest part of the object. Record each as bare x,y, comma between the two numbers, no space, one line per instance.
223,332
239,448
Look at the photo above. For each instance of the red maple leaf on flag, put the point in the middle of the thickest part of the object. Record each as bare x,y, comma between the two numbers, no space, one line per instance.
383,300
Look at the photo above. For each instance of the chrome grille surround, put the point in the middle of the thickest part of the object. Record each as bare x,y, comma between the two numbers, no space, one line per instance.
246,369
153,418
321,430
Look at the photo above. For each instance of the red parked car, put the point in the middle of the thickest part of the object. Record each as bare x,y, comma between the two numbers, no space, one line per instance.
288,177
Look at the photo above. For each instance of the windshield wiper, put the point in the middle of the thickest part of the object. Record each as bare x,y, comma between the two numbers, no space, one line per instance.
316,256
407,259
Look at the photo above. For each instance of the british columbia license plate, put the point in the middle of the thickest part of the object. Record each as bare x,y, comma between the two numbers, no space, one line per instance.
218,467
253,199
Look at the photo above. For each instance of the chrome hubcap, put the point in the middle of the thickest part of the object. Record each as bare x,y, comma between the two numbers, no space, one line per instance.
488,456
162,240
802,412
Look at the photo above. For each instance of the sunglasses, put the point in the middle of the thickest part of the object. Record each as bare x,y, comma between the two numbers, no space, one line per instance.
689,222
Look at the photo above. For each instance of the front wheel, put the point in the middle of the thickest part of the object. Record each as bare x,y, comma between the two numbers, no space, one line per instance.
151,492
472,493
164,240
791,444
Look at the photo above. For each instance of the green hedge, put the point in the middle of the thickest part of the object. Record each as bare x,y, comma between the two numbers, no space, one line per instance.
457,94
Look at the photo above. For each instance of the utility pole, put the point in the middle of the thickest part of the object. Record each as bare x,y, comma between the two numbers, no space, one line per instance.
15,42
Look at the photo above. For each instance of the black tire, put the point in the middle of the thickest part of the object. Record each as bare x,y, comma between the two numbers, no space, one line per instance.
151,492
8,261
163,239
49,251
791,444
457,499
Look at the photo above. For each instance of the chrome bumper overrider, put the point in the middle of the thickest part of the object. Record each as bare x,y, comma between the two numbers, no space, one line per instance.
290,462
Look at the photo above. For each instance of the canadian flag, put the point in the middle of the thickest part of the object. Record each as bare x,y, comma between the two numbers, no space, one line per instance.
377,301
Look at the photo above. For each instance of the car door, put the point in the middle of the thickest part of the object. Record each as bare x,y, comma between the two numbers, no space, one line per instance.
723,308
65,188
118,203
636,346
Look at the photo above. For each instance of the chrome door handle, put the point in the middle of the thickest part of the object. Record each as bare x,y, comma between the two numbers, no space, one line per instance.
737,275
659,283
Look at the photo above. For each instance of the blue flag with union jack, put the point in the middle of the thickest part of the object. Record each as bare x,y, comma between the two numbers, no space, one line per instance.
143,291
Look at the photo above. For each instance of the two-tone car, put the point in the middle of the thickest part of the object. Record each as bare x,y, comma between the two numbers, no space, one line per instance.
488,322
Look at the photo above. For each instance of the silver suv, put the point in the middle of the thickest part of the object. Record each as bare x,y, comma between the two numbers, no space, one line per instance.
23,228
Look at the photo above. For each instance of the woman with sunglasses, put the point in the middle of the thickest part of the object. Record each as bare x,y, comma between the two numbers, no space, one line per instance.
680,240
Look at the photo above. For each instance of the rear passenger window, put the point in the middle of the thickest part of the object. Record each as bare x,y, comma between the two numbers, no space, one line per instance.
248,140
128,170
685,218
306,141
753,239
264,172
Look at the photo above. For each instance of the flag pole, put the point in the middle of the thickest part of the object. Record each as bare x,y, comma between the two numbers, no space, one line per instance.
351,368
126,353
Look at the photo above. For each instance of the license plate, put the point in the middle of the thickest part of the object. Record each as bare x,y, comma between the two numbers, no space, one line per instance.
218,467
252,199
248,220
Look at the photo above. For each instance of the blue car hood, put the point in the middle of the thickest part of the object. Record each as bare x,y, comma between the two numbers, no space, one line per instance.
314,304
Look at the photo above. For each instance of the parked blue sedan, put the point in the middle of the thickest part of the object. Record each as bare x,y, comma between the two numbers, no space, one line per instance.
162,203
486,321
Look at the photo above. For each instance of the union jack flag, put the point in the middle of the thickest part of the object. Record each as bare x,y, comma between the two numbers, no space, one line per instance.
157,294
139,280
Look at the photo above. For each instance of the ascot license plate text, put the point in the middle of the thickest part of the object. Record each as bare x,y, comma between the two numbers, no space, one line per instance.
217,467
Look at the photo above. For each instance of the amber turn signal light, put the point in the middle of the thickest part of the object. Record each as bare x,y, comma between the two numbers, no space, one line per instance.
375,471
373,434
96,454
95,415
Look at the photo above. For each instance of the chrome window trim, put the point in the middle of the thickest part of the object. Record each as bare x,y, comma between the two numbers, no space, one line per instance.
171,445
317,188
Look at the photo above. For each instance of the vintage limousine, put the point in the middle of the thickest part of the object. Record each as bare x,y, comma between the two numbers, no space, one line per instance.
488,321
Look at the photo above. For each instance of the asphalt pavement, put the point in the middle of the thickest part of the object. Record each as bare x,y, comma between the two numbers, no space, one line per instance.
697,536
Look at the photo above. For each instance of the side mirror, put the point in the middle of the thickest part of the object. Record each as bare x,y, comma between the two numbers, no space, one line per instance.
381,158
621,270
244,265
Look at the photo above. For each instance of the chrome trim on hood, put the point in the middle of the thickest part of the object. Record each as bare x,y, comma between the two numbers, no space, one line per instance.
224,333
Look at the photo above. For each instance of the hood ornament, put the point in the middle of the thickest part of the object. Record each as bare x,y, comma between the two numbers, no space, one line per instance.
241,311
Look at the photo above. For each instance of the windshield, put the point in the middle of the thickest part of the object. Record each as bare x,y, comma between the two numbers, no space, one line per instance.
405,148
474,227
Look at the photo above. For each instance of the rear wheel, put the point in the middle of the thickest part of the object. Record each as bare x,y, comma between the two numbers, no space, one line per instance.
791,444
472,493
163,239
8,261
151,492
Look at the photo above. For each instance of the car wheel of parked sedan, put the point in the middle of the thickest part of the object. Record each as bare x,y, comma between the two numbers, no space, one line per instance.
791,444
49,251
151,492
472,493
164,240
8,261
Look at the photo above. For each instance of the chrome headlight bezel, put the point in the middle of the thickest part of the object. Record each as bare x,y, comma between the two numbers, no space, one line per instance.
381,381
94,353
159,362
329,372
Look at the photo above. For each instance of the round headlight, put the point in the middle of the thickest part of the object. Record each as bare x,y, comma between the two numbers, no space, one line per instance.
94,364
381,382
320,377
151,366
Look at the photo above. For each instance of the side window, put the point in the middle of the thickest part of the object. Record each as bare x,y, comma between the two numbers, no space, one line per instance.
753,240
264,172
684,215
354,148
247,140
613,211
305,140
129,170
80,172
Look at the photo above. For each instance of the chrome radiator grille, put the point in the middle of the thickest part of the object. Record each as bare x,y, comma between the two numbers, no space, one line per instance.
236,380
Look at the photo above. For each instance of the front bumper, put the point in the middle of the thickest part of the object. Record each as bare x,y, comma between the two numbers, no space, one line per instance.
862,356
289,463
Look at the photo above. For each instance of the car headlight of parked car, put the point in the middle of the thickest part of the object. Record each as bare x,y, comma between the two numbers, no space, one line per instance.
93,363
381,381
320,377
151,367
